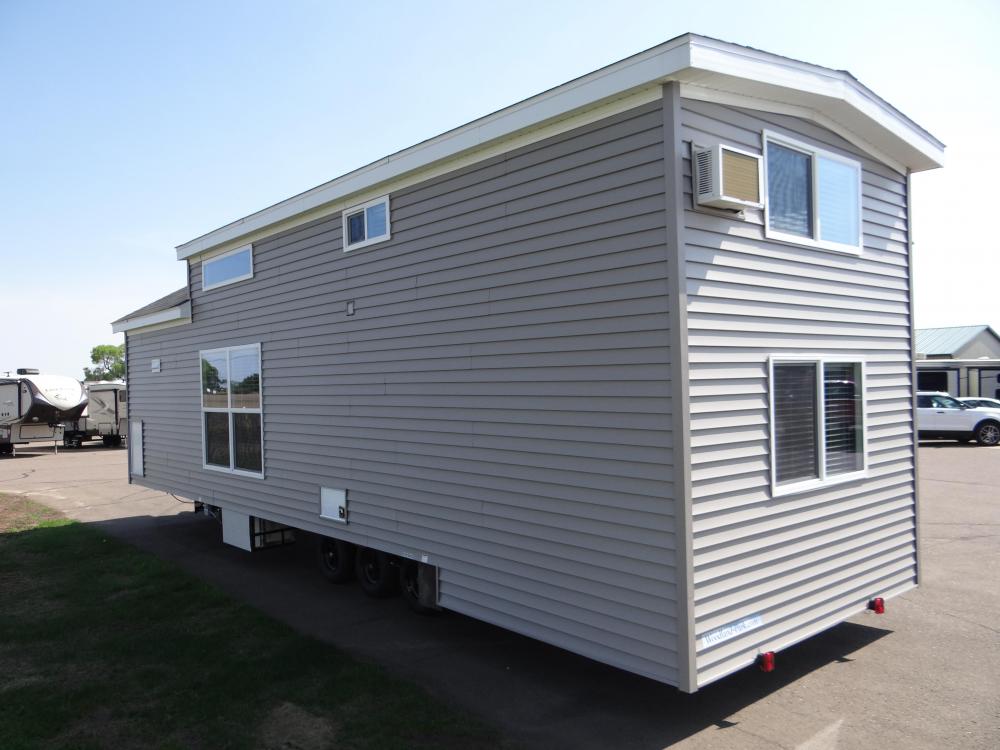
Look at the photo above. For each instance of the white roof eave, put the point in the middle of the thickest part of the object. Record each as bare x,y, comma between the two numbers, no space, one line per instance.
172,315
701,64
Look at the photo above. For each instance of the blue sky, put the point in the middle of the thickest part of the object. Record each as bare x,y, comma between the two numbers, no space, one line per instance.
129,128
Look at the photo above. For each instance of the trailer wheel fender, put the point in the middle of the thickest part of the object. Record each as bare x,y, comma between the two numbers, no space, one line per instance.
336,559
376,573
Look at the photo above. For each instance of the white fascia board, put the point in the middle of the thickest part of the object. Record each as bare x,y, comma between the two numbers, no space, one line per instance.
615,81
179,315
833,95
826,96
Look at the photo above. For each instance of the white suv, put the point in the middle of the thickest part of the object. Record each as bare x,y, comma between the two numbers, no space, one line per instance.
942,416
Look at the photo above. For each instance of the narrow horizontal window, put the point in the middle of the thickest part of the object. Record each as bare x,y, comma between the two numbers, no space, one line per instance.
232,426
366,224
813,196
817,422
227,268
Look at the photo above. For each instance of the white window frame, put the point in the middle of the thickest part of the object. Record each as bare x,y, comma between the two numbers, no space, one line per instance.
813,152
363,209
778,490
220,256
230,410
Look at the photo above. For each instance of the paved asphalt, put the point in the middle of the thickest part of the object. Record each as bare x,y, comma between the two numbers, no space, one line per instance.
924,675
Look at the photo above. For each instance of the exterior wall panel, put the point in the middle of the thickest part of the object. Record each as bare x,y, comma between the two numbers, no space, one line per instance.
806,561
500,401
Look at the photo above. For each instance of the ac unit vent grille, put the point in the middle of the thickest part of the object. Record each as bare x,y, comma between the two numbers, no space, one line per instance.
703,168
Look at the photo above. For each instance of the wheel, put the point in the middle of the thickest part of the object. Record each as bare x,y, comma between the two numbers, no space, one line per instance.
988,433
116,441
107,440
6,449
376,573
336,559
409,585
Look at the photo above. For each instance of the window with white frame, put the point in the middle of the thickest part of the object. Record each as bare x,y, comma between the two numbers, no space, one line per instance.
366,224
227,268
231,410
817,422
813,196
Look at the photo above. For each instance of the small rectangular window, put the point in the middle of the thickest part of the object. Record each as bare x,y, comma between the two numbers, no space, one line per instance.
228,268
366,224
817,423
813,196
232,410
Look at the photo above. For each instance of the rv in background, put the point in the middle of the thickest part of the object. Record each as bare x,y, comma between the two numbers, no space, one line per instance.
33,407
105,418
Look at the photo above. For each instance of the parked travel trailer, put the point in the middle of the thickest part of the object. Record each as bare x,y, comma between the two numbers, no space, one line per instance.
33,407
626,367
105,418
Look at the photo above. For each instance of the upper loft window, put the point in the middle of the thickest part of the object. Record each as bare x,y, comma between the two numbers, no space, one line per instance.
366,224
813,196
817,423
228,268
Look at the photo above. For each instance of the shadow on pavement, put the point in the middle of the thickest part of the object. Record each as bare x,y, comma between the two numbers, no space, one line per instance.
539,695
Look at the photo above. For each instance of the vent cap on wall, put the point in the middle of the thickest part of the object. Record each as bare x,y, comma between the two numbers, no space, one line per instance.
726,177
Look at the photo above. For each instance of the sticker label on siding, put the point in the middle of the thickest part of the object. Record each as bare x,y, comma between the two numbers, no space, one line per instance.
731,630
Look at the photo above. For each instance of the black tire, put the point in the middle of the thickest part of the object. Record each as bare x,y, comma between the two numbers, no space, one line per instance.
376,573
409,586
116,441
988,433
6,449
336,559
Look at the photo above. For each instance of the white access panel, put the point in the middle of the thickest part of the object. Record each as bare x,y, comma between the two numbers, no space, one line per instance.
333,504
236,529
136,468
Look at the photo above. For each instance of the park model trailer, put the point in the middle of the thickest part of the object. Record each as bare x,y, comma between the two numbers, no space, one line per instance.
34,407
626,367
105,418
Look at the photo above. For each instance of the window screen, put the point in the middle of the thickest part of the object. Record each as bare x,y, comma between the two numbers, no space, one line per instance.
789,190
795,434
842,407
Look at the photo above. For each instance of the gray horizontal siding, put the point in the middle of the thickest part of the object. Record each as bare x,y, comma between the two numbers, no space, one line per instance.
499,402
805,561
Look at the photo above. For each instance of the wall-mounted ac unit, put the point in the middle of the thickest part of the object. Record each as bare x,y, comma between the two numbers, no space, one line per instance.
726,177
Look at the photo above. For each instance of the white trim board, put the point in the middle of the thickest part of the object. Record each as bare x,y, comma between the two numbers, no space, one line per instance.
172,316
708,64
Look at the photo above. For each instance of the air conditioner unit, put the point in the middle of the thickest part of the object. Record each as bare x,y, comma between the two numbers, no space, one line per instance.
726,177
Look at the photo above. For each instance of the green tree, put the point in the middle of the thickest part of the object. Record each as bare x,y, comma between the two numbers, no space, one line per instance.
110,363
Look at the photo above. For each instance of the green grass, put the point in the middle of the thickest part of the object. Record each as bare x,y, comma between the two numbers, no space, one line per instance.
104,646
